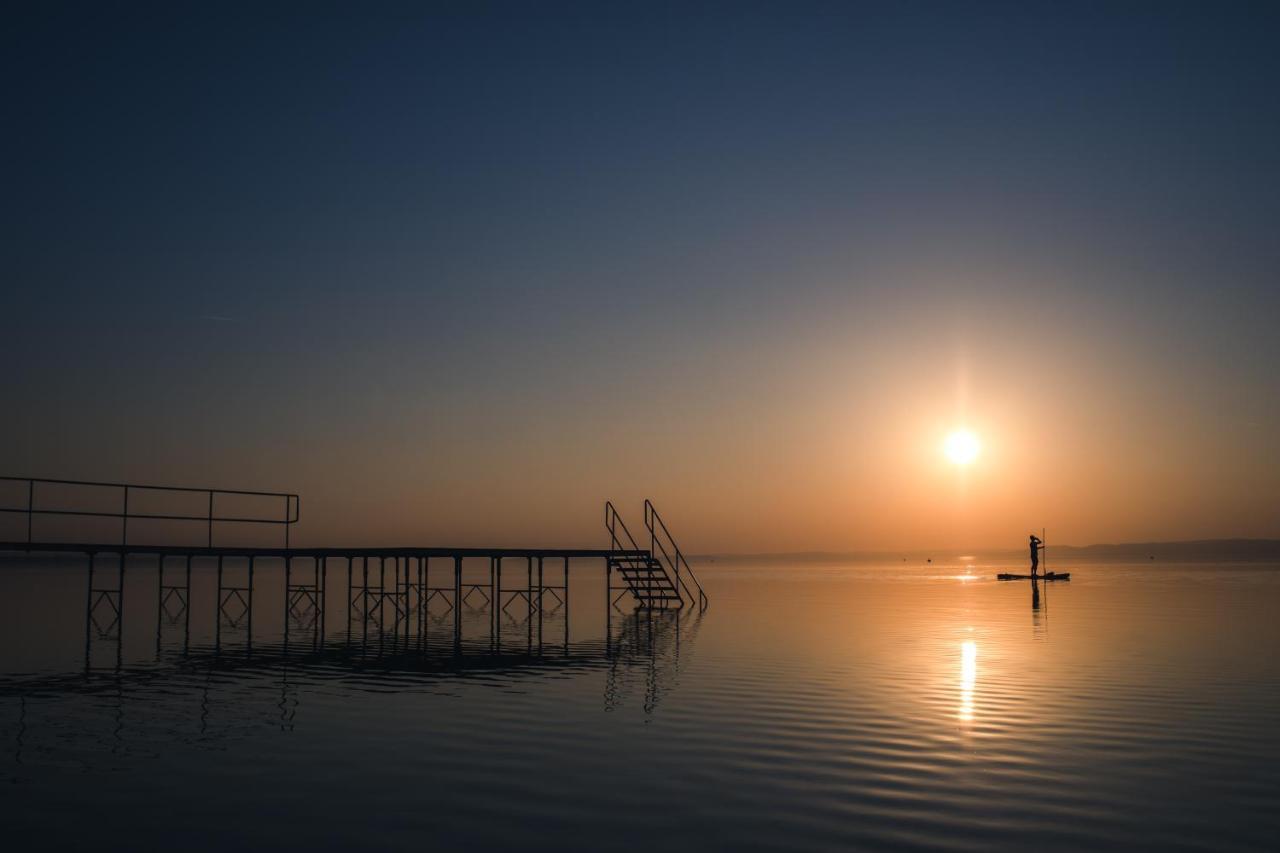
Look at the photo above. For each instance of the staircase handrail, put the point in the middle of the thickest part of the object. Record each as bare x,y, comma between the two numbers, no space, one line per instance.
613,521
680,564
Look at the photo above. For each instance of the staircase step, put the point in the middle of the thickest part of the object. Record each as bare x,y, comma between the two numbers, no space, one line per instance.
647,578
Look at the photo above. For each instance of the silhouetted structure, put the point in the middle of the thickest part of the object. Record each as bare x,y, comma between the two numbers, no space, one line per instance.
656,577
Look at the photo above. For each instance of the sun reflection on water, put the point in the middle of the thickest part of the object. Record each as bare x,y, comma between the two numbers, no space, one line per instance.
968,675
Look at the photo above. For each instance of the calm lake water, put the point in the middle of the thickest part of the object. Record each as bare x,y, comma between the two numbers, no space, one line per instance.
813,706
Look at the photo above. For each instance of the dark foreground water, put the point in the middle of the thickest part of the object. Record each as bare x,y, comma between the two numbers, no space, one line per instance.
812,707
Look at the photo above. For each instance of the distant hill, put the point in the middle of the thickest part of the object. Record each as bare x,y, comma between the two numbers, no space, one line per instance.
1197,550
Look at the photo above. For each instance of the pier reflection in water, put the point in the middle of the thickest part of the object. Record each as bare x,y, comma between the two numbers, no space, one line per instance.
233,667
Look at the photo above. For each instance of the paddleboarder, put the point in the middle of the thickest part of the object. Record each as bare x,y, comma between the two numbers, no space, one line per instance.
1037,545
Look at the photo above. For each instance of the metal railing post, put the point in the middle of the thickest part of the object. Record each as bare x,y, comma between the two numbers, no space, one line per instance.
124,519
31,500
211,518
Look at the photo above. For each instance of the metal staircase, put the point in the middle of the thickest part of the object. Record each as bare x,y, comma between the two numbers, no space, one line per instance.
647,580
657,577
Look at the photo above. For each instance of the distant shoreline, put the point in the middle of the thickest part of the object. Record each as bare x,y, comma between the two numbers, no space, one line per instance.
1194,550
1185,551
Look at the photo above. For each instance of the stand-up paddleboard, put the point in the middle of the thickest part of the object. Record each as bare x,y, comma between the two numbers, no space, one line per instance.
1047,576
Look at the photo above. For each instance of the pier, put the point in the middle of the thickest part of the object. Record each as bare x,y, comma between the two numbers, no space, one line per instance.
388,589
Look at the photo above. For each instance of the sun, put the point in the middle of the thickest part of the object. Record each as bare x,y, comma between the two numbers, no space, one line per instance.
961,447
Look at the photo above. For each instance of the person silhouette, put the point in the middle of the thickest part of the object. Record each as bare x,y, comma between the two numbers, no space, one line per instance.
1037,545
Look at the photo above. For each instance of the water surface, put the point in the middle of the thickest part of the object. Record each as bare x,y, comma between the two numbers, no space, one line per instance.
815,705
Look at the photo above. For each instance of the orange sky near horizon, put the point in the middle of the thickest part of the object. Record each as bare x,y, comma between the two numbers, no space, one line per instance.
828,439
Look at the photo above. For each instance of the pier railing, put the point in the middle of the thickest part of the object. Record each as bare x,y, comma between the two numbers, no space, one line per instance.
290,506
618,530
664,547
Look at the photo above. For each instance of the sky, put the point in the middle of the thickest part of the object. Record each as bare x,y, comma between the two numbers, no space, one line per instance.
458,273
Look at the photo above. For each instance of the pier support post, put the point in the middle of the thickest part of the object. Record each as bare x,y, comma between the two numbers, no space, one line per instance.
382,589
349,593
88,609
422,601
217,611
159,601
288,599
399,590
248,625
457,603
528,600
186,625
166,594
495,637
322,596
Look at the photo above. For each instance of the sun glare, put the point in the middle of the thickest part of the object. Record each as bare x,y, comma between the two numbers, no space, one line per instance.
968,677
961,447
